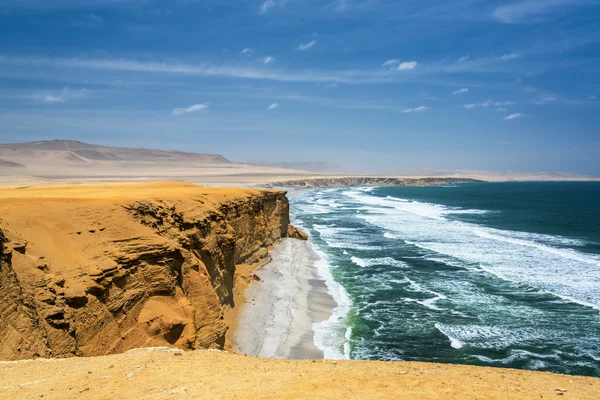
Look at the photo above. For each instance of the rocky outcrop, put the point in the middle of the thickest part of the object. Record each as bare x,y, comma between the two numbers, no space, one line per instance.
116,274
369,181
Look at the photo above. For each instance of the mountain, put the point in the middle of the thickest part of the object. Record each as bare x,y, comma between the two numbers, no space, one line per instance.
312,166
72,152
10,164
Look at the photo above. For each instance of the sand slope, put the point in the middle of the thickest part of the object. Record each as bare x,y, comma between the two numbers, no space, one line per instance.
168,374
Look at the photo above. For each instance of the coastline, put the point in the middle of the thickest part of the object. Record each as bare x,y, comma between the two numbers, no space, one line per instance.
165,372
278,317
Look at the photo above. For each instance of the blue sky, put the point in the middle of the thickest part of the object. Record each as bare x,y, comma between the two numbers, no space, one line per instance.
376,85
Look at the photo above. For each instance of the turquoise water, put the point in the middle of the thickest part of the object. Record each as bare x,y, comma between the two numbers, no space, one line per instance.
496,274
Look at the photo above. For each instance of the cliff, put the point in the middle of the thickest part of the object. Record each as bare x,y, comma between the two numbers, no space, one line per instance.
369,181
98,269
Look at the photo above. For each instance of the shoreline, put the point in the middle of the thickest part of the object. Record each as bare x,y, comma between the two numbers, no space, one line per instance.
278,317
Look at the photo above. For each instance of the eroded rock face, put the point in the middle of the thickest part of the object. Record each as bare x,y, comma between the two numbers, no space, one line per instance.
111,275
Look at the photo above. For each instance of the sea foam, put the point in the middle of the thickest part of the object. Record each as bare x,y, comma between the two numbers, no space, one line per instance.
531,259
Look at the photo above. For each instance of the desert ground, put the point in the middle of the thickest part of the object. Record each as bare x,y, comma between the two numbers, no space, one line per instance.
173,374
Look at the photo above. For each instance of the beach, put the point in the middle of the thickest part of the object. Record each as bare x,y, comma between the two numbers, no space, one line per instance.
277,319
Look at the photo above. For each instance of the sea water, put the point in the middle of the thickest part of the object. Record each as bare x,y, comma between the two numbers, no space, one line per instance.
495,274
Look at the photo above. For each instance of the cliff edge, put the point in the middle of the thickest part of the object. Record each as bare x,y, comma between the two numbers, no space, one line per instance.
90,270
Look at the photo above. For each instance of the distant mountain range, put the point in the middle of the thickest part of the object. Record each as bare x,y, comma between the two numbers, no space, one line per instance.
63,158
72,152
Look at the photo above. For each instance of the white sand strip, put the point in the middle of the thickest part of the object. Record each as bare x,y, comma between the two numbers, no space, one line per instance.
277,319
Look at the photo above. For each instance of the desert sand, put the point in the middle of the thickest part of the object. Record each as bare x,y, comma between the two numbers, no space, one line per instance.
174,374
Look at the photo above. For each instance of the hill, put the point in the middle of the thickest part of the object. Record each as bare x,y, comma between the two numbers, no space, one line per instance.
72,152
10,164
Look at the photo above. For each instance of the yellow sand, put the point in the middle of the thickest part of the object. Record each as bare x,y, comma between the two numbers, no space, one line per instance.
169,374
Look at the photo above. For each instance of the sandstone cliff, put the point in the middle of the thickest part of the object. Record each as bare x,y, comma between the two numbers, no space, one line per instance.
101,269
368,181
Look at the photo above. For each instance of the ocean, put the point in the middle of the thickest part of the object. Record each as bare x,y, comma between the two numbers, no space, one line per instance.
492,274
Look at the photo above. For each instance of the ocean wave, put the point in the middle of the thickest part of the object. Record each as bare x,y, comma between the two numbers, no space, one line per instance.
369,262
428,210
535,360
490,292
565,253
389,235
429,303
343,238
332,336
454,342
533,259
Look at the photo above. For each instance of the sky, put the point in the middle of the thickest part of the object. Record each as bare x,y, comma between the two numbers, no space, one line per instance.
373,85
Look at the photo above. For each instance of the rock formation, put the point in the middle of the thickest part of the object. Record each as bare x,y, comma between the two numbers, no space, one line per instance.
369,181
101,269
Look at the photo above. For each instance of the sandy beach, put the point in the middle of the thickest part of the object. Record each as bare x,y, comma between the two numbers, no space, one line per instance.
277,320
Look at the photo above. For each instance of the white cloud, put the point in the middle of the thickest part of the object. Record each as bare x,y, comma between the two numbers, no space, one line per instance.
407,65
463,59
416,109
501,109
193,108
513,116
90,21
266,6
307,46
523,10
268,59
332,85
342,5
47,98
509,56
247,52
273,106
63,96
390,62
205,68
461,91
489,103
544,100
